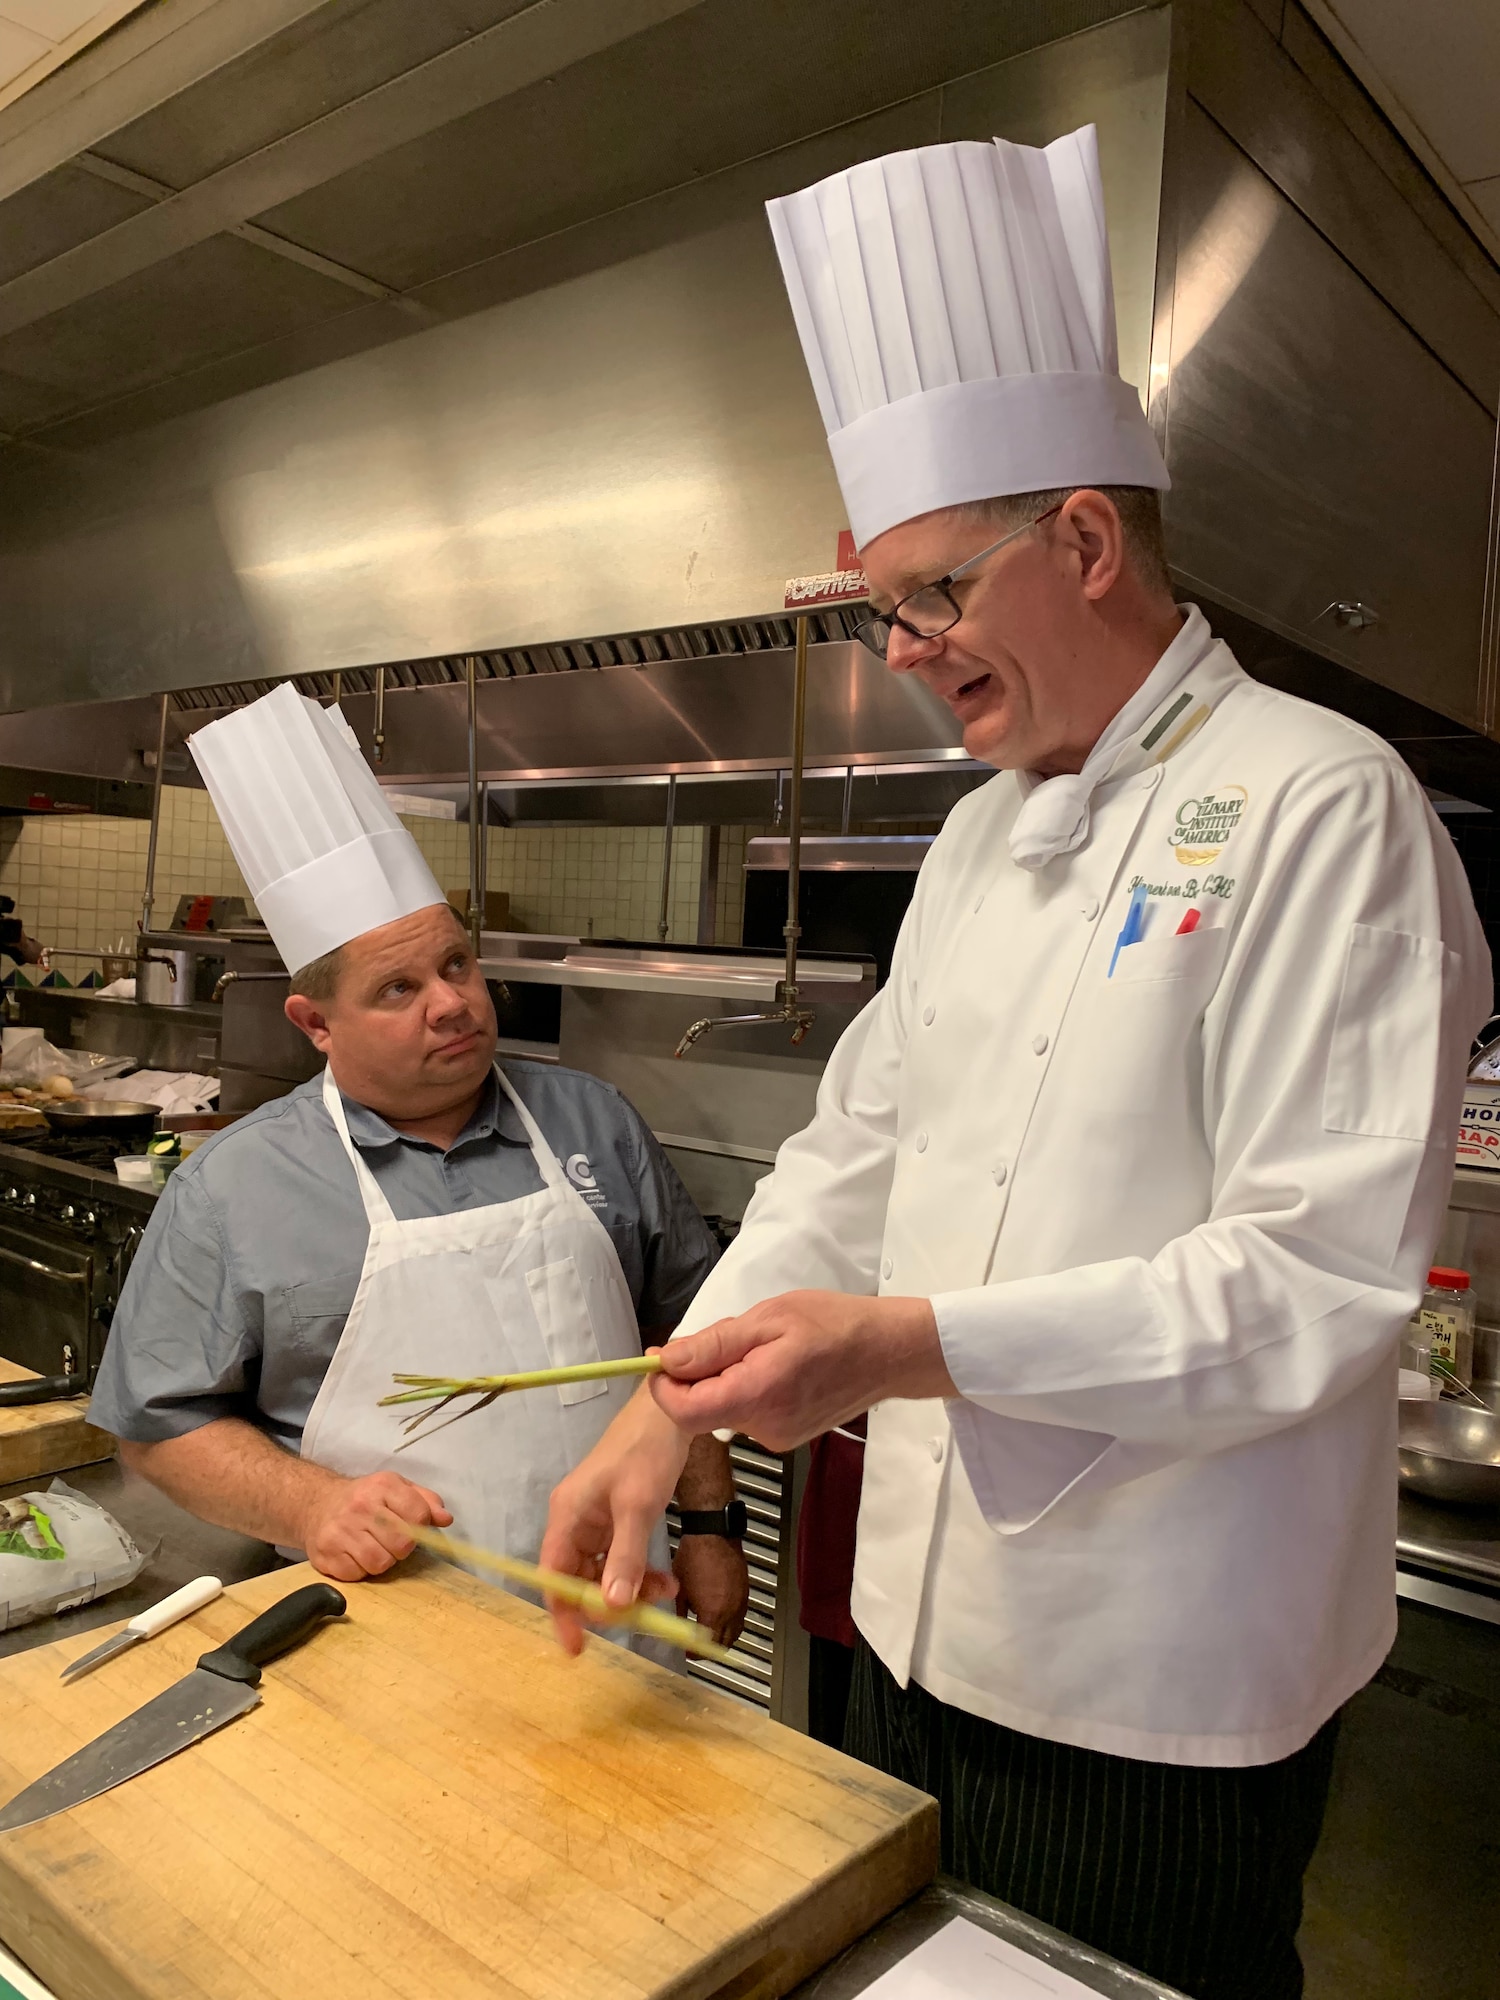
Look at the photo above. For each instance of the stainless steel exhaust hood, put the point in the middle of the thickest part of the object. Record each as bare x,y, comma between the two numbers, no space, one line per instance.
613,433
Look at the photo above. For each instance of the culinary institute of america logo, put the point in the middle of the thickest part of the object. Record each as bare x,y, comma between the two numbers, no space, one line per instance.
1204,824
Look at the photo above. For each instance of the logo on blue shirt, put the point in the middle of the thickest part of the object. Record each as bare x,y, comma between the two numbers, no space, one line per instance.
581,1174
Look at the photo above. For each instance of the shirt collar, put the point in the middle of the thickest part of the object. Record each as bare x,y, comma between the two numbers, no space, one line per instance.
493,1117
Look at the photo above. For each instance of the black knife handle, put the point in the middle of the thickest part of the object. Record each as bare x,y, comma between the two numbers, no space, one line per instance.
40,1389
285,1625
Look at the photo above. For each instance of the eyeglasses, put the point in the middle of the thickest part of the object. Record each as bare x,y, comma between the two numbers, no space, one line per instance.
931,609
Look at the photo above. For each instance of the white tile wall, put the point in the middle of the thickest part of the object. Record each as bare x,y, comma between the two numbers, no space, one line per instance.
76,878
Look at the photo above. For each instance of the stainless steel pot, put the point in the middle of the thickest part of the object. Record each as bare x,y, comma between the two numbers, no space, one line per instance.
165,978
1451,1451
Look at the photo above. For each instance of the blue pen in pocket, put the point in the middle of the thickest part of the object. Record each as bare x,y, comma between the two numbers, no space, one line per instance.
1134,924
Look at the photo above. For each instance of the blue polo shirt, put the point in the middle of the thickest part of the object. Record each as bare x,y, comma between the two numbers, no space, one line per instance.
243,1281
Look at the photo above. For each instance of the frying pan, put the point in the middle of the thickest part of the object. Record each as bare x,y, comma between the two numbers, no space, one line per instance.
103,1117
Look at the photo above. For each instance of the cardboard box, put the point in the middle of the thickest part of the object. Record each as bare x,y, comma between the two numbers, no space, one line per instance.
1479,1128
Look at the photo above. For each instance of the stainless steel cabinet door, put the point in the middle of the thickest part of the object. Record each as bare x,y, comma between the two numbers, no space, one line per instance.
1319,453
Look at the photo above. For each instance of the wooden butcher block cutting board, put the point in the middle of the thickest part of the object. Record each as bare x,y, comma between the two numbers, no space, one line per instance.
41,1438
432,1802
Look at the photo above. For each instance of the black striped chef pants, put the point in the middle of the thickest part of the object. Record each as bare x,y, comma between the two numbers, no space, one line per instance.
1189,1874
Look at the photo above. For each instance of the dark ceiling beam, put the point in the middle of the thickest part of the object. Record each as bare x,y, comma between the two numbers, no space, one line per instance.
264,239
546,37
147,59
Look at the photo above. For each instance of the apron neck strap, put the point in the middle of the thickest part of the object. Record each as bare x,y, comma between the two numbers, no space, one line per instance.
548,1165
377,1208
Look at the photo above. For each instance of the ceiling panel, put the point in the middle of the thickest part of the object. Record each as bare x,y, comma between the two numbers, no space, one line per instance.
23,404
730,80
329,59
54,213
1440,62
1485,196
19,49
214,299
54,20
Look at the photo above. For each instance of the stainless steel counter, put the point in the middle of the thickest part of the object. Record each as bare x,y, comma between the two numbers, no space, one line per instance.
180,1038
889,1942
183,1549
1449,1557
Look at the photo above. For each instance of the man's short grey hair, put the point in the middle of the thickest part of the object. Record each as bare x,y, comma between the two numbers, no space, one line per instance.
319,981
1139,509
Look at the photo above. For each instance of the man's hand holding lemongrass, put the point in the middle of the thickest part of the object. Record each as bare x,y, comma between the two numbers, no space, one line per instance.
799,1365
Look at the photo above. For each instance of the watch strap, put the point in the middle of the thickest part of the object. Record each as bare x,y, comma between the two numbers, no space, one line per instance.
730,1522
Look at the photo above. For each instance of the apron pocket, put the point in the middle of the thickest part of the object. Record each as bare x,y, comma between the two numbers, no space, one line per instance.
562,1310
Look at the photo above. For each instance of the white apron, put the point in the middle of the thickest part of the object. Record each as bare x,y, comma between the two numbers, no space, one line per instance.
530,1283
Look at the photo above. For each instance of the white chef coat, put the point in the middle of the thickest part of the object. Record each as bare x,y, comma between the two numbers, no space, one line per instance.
1171,1222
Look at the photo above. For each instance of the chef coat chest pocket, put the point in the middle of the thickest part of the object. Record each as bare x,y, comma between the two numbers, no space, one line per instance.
560,1301
1148,1017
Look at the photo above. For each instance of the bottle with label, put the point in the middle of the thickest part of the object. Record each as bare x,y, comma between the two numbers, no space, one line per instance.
1446,1318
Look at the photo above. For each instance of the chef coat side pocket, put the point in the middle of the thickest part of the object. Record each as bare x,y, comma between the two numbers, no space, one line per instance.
562,1309
1383,1057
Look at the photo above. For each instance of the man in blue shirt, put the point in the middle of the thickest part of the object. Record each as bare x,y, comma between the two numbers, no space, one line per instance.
241,1294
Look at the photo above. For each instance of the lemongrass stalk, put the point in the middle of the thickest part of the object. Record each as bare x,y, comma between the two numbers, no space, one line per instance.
430,1388
585,1597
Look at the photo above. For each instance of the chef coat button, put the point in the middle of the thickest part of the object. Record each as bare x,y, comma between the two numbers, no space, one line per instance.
1151,779
885,1267
997,1173
921,1142
1091,908
935,1446
929,1014
1039,1045
978,904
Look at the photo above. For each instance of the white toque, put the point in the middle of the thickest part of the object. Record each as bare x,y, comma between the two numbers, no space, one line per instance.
322,852
957,317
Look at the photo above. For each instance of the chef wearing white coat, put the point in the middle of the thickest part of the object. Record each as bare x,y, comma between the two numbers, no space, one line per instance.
408,1210
1118,1193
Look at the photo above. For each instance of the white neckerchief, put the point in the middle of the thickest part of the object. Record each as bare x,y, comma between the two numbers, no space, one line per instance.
1054,815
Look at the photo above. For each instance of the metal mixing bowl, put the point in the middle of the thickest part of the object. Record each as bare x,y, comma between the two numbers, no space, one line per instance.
1451,1451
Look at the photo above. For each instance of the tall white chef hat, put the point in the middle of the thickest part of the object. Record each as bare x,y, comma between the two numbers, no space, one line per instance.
321,851
957,318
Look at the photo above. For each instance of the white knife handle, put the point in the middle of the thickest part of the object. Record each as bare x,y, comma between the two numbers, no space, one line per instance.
181,1604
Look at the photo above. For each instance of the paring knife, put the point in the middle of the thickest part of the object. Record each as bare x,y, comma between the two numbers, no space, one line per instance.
223,1686
146,1624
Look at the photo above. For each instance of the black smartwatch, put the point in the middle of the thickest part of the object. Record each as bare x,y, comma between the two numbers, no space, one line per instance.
729,1522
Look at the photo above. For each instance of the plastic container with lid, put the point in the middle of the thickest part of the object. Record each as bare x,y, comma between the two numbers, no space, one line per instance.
1440,1339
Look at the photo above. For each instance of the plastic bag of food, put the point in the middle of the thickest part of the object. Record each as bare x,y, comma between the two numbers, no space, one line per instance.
35,1063
59,1549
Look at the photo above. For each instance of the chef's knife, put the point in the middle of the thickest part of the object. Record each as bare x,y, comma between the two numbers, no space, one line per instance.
146,1624
223,1686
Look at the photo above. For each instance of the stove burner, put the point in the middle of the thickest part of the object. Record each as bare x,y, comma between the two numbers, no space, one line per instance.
76,1146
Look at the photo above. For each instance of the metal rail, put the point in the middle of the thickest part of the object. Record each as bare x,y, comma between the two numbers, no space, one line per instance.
148,893
662,923
476,830
788,1014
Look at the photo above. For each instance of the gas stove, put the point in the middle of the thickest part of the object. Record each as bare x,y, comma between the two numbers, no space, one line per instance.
68,1230
76,1147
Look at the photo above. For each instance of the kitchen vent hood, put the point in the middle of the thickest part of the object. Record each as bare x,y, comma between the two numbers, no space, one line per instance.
470,343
